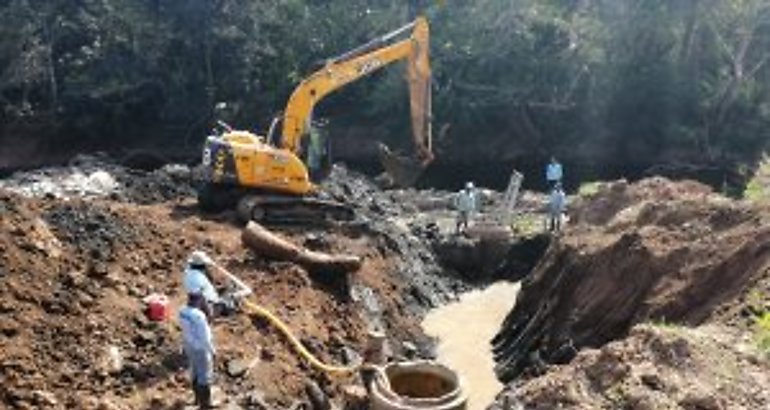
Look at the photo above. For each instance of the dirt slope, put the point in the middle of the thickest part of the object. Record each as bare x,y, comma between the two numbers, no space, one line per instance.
654,368
73,274
652,251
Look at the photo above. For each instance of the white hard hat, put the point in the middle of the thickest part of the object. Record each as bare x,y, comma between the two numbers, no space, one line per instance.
469,185
199,258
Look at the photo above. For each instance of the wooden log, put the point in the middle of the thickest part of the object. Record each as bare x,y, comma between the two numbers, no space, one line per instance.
271,245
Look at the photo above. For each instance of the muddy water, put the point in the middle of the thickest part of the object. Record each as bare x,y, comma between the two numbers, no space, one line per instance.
464,329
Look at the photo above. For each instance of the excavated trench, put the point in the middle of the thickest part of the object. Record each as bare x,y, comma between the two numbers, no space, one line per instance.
655,251
463,329
78,257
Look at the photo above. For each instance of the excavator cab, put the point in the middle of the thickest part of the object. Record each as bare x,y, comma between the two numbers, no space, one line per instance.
317,151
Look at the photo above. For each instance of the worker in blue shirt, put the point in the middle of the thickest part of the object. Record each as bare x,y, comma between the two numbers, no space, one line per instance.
553,173
198,347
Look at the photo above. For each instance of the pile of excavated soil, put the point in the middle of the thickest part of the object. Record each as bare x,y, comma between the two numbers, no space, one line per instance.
655,367
612,197
386,215
73,275
98,176
655,250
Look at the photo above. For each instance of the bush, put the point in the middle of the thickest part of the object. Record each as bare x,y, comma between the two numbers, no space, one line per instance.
758,187
588,189
762,332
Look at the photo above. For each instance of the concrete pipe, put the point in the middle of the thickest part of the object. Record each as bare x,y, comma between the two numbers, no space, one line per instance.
416,386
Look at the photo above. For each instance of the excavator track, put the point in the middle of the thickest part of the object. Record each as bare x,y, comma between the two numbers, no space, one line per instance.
291,210
272,208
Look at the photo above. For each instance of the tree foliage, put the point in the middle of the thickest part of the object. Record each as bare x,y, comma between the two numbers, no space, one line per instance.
596,79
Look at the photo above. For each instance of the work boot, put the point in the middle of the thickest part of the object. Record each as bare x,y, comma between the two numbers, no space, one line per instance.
207,402
198,392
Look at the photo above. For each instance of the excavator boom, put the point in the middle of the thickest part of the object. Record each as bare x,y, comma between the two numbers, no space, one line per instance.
361,62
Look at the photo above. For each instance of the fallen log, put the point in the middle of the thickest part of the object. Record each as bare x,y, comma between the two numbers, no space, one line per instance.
273,246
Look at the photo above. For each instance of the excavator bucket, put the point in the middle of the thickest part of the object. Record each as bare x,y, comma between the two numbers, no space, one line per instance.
402,171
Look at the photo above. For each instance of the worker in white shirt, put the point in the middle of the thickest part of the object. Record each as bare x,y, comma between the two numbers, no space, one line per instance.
466,204
557,204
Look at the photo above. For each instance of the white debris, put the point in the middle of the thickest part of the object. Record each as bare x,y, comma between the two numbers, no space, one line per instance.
102,182
97,176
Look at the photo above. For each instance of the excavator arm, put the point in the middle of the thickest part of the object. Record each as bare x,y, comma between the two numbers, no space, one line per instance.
359,63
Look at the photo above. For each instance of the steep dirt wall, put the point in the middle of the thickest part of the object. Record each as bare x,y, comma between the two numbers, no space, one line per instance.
654,250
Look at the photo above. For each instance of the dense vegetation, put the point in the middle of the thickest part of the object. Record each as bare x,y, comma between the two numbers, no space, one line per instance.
628,80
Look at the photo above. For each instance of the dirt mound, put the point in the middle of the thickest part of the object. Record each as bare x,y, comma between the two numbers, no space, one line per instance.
386,215
655,367
171,182
95,232
609,198
73,275
667,252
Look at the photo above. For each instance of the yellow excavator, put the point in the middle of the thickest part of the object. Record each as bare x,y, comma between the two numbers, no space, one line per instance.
265,177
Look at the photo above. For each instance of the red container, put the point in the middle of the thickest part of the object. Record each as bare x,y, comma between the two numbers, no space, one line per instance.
157,307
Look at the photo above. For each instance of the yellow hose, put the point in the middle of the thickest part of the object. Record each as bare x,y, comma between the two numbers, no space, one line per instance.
257,310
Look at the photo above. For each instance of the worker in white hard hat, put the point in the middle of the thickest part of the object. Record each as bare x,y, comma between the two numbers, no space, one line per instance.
466,205
198,347
198,279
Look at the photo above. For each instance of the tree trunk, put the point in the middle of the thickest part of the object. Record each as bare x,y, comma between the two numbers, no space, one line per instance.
268,244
